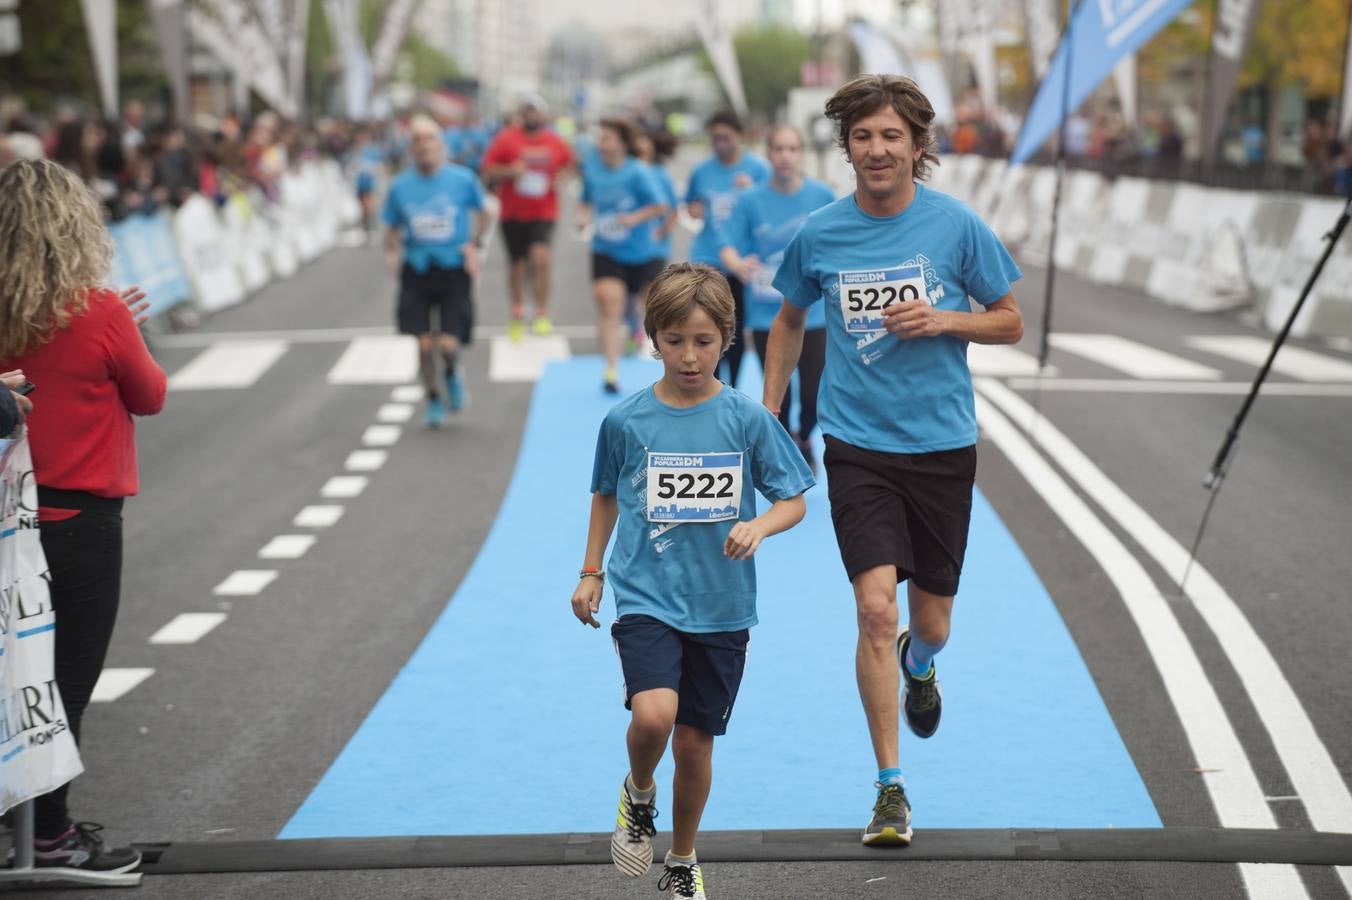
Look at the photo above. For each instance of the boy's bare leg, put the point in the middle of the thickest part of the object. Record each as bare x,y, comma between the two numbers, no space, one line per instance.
654,714
693,750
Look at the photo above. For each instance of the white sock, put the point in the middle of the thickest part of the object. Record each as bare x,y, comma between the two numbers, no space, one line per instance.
674,860
640,796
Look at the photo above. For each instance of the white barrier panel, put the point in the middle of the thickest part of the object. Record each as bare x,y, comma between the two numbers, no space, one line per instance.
986,191
1201,265
37,750
248,257
202,247
1118,259
1084,201
1329,309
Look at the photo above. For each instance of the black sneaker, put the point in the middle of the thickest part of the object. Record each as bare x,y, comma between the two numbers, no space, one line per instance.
683,882
891,823
631,844
82,848
921,700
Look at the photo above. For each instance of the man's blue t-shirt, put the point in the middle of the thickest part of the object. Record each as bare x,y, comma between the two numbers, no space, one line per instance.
669,563
763,221
433,212
716,186
878,391
612,193
660,247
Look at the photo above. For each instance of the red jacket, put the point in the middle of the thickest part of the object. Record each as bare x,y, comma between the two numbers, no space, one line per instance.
92,377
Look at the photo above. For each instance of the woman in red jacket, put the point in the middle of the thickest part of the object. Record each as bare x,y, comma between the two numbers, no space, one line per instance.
79,344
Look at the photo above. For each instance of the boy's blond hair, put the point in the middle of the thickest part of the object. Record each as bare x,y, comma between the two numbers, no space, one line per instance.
681,287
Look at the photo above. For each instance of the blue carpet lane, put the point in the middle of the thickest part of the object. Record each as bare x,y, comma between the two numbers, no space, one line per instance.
508,718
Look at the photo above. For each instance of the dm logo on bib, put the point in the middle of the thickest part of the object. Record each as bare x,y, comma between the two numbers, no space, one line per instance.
694,487
865,293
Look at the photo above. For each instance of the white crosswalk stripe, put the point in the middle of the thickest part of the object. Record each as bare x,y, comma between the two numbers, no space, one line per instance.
377,359
1135,359
1000,362
524,360
1293,362
228,365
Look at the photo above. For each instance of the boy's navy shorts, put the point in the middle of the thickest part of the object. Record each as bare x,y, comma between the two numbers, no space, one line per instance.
705,670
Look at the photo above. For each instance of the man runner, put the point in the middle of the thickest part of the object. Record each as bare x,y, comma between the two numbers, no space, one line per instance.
526,161
895,263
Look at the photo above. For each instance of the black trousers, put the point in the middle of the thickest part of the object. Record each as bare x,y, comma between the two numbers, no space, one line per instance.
810,365
733,358
84,555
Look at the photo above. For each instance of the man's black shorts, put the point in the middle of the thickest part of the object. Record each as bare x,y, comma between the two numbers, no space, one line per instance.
909,510
445,290
519,235
634,275
705,670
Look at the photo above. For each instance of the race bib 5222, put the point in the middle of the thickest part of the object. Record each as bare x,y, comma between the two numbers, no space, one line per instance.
694,487
865,293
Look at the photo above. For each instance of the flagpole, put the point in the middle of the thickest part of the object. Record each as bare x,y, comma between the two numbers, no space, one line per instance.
1208,158
1044,347
1347,58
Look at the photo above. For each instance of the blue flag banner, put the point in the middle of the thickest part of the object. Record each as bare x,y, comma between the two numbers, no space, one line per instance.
1101,32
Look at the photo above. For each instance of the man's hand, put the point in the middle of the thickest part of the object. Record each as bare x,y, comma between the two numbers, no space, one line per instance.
582,220
912,319
744,539
471,251
392,262
748,269
587,600
136,301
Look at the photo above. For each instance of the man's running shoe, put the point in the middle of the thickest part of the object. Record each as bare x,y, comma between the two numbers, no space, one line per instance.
436,412
516,330
631,846
82,848
891,823
542,326
457,395
611,384
685,882
921,700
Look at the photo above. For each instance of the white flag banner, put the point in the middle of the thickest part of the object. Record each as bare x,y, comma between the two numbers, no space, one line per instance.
357,81
717,40
273,19
297,31
241,45
101,23
168,17
1124,79
967,31
398,16
1042,30
37,749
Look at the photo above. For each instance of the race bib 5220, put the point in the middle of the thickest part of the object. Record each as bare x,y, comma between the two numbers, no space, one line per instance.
865,293
694,487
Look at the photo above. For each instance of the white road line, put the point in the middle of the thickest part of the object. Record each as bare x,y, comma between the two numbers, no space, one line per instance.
524,360
332,335
1294,362
231,364
378,359
341,487
287,546
381,435
1001,361
395,412
187,628
114,684
245,582
1308,764
1133,386
365,460
408,393
318,516
1229,777
1136,359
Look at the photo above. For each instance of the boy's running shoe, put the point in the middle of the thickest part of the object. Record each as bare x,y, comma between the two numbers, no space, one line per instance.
82,848
457,395
891,823
685,882
921,700
631,846
436,413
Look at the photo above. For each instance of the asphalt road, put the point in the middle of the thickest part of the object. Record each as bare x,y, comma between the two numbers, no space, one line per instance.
228,736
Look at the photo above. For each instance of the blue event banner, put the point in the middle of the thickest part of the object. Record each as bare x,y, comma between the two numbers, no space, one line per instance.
1100,34
147,256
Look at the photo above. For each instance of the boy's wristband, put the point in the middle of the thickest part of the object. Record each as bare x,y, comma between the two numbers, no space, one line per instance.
592,573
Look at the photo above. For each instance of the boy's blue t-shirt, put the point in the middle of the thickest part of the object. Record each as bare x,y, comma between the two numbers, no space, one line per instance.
878,391
673,569
612,193
716,186
763,221
433,212
660,247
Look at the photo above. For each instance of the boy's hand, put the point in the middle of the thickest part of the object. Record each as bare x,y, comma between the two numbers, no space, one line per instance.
587,601
743,540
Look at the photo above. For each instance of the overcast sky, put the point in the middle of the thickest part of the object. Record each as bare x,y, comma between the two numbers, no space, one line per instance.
679,15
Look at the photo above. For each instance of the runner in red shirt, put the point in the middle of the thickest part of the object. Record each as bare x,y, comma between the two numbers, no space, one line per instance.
526,162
